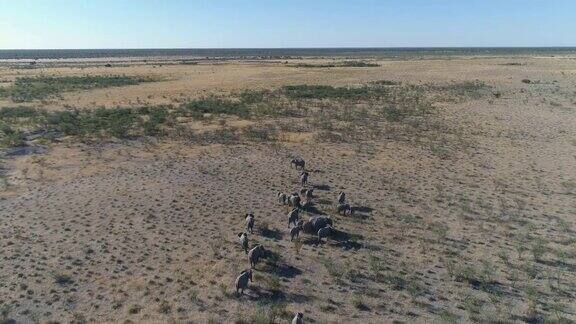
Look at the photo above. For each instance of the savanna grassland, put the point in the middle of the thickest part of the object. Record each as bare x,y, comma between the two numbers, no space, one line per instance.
124,184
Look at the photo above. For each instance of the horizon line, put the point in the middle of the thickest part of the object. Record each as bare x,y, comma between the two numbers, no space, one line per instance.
261,48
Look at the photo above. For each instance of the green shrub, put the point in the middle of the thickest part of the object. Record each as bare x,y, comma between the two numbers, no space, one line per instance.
253,96
152,118
65,121
10,137
4,92
393,114
305,91
458,90
18,112
117,121
99,122
310,65
214,106
385,82
267,109
358,64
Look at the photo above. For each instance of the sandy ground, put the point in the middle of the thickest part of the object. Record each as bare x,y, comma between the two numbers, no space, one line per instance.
189,81
146,231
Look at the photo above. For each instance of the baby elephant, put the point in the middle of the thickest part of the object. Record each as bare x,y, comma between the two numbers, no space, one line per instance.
324,232
344,209
309,194
255,254
298,318
293,217
294,201
242,280
303,178
341,197
244,241
295,231
298,163
250,222
282,198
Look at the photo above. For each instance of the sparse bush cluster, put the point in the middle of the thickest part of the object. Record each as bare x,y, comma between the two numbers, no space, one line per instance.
457,91
214,106
359,64
332,114
305,91
9,137
26,89
386,82
19,122
337,64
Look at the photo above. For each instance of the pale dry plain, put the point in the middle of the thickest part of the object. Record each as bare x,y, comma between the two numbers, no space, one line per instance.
466,214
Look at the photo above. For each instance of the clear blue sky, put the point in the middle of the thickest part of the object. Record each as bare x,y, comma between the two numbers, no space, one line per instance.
285,23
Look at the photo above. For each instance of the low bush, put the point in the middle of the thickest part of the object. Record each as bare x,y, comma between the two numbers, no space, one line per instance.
305,91
253,96
358,64
336,64
458,90
385,82
215,106
10,137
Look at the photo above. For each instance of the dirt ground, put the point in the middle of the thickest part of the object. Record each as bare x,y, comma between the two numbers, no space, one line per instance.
145,230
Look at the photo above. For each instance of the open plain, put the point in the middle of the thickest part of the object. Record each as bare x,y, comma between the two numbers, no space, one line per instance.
461,172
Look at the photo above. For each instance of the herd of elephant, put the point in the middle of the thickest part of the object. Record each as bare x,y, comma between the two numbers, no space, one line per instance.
321,226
